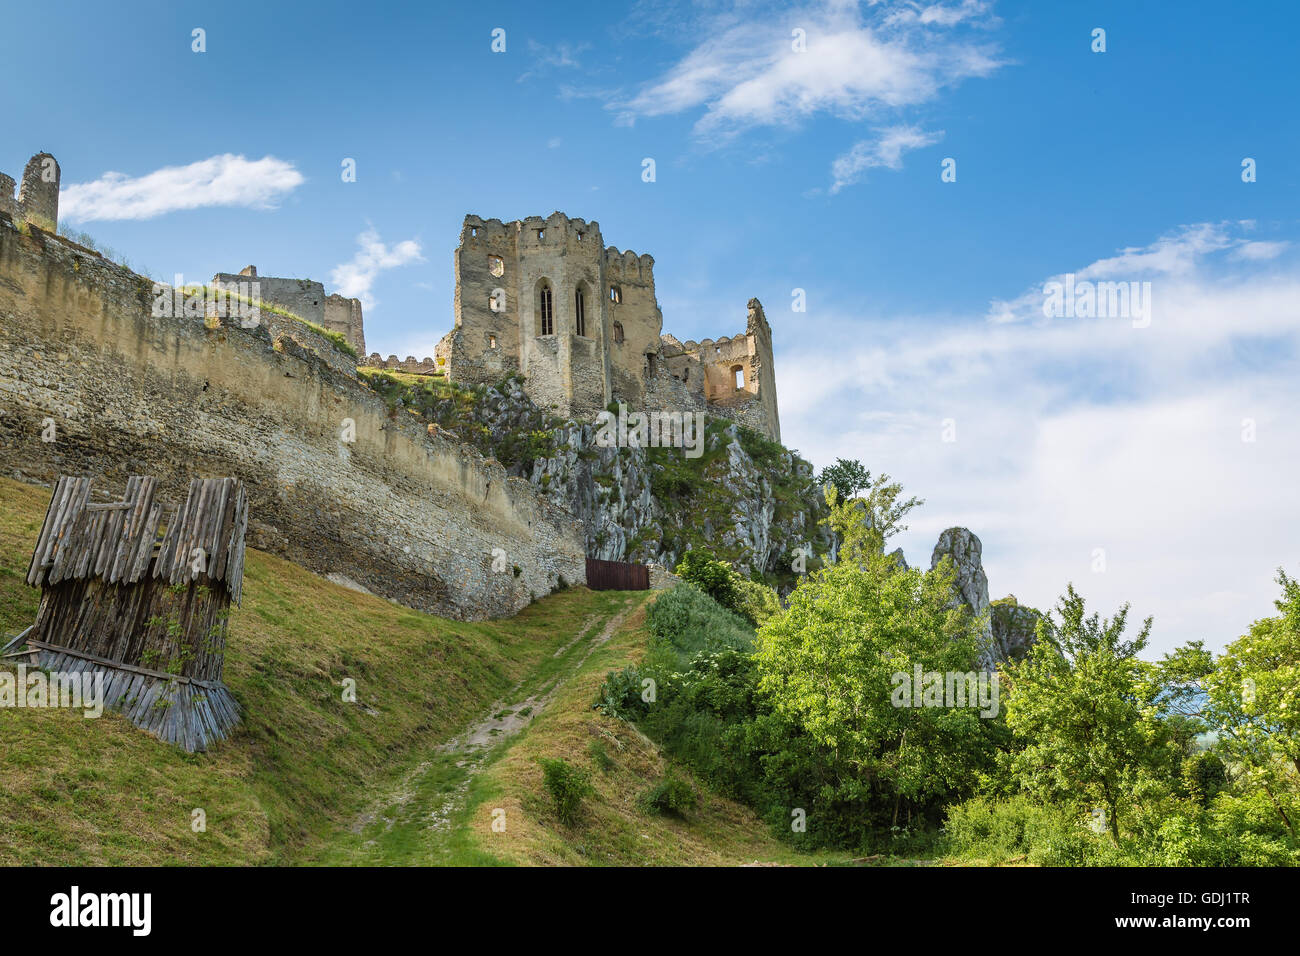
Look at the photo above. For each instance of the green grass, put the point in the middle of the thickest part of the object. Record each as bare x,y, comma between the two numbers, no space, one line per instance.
309,779
613,826
337,339
303,764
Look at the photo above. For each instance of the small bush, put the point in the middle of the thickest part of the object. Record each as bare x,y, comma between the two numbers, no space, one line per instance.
567,785
1044,835
670,797
715,578
620,695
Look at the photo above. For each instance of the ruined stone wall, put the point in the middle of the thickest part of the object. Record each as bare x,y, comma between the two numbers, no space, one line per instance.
711,365
638,314
412,517
501,270
409,365
485,344
37,201
303,297
344,316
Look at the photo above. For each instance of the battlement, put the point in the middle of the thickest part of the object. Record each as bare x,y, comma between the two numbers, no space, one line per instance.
37,201
628,266
409,365
531,232
545,298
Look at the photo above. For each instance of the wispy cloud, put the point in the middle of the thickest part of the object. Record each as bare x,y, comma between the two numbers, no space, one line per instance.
1179,252
886,150
559,56
225,180
751,70
1169,447
356,278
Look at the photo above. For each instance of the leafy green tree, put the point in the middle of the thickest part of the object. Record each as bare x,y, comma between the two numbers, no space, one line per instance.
1085,709
863,525
1254,704
828,663
847,476
756,602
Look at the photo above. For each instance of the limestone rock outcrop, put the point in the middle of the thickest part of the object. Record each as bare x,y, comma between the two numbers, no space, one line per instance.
637,506
971,586
1014,628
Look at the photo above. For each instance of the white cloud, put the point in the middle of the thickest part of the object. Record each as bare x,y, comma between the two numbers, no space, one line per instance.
886,150
356,277
225,180
1177,253
747,73
1079,434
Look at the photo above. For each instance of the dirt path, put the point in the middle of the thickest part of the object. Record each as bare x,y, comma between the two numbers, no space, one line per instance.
420,813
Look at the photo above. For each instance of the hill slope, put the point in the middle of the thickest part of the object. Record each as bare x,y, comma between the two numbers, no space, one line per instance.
441,734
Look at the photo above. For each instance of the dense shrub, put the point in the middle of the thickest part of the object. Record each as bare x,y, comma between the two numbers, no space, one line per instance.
715,578
671,796
567,785
686,621
1018,828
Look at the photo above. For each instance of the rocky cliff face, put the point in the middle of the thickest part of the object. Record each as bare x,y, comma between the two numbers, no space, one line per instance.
1014,628
745,499
1008,630
971,586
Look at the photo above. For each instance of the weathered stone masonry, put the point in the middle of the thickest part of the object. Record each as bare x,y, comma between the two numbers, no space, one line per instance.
413,517
306,299
37,201
581,322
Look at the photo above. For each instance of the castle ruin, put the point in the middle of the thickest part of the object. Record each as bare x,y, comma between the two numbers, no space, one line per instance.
306,299
37,202
547,299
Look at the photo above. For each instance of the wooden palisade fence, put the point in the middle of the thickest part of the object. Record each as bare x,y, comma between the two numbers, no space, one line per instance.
150,612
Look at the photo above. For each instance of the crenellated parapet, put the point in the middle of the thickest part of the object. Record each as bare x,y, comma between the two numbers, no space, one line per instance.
580,320
409,365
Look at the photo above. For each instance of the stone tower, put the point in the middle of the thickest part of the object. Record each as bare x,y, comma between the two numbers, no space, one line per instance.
580,321
38,197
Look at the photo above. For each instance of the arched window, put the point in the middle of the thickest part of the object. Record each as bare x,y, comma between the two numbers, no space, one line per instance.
738,373
615,294
618,333
579,312
545,310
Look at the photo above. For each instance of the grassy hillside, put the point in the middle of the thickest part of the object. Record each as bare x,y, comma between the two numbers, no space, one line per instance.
78,791
449,721
612,827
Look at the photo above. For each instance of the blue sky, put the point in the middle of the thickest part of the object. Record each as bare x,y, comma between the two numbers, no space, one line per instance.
779,170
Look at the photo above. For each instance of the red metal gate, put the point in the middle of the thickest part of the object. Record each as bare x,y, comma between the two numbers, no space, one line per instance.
617,576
